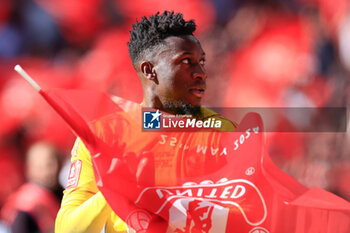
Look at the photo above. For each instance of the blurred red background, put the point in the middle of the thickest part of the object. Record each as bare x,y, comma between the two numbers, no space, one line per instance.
259,54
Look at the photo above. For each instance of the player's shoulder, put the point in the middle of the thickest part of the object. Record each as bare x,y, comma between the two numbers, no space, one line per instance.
227,124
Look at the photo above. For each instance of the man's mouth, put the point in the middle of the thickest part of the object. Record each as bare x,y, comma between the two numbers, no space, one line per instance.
198,92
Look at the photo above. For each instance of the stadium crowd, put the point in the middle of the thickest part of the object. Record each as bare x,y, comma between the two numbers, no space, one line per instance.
272,53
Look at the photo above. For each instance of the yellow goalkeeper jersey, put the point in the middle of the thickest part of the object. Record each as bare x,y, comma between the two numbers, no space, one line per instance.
83,207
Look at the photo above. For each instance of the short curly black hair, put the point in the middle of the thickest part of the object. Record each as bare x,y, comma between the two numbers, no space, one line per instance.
150,32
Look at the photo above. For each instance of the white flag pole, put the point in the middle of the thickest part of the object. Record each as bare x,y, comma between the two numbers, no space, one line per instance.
24,74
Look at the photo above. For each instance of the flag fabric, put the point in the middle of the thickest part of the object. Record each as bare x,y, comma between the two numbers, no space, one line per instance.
192,181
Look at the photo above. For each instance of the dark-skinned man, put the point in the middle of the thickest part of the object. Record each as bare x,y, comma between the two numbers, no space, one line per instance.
169,61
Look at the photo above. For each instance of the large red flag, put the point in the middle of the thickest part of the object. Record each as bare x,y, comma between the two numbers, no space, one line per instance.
192,181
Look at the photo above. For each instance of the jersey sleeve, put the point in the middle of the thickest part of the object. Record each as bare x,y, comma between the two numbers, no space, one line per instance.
83,207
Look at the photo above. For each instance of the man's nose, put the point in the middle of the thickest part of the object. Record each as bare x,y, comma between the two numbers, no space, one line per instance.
199,72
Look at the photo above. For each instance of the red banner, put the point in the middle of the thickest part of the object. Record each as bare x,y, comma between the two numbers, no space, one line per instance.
193,181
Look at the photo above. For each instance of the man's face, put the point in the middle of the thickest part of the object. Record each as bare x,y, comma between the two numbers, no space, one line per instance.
179,66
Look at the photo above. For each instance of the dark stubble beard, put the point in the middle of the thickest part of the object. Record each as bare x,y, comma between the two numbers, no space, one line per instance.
182,108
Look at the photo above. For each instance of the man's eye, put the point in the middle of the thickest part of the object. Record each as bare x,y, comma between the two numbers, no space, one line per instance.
186,61
202,62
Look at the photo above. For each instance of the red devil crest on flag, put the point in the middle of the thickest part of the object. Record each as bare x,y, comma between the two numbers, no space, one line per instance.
193,181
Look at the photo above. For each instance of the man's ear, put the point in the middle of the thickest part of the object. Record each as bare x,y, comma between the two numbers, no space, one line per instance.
149,71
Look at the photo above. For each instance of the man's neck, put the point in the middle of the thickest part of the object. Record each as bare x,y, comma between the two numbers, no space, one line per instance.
175,109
